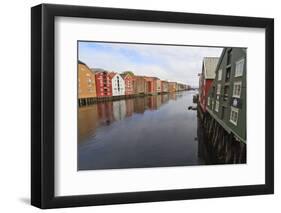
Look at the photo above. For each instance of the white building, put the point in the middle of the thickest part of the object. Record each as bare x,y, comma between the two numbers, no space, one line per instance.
118,84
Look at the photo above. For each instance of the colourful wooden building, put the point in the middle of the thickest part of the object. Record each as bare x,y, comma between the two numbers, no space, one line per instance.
158,86
129,83
139,85
165,86
103,84
117,83
227,97
206,78
86,84
150,85
172,86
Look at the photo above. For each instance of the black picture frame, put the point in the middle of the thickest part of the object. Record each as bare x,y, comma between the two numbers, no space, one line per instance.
43,105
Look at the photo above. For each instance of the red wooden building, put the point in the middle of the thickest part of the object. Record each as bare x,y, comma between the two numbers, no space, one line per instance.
129,83
139,85
207,76
103,84
151,85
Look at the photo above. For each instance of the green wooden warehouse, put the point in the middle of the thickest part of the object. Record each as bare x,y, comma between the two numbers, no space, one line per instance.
226,101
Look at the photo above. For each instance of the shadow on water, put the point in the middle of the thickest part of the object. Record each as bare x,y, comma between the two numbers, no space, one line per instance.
206,153
150,131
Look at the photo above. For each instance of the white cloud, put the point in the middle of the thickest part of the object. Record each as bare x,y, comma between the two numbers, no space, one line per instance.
174,63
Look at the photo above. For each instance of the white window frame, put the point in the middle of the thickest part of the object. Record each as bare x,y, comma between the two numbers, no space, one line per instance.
217,106
235,110
220,75
239,68
218,89
235,84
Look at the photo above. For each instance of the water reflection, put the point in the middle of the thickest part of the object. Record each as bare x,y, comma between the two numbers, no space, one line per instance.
105,113
151,131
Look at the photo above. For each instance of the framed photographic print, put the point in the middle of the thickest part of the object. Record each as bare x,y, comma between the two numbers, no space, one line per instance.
139,106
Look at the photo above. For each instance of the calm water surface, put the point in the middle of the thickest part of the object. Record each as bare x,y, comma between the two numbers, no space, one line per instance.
154,131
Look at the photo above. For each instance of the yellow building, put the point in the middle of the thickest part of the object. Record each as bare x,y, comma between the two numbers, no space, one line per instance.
86,84
172,86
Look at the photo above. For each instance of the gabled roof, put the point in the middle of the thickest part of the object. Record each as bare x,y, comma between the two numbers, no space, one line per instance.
97,70
124,75
112,74
209,67
81,62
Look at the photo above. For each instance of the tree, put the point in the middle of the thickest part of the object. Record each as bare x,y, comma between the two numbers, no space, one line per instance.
128,72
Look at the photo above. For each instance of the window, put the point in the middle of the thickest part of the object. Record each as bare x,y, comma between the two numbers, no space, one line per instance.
237,87
222,112
219,75
229,54
208,101
234,115
239,68
219,89
227,75
213,92
225,92
217,106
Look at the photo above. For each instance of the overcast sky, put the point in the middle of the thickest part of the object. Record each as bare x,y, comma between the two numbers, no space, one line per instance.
172,63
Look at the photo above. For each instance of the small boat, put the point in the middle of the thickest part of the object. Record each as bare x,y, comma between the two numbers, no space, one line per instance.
192,108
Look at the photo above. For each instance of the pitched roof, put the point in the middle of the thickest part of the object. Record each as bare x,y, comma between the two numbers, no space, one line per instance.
123,75
209,67
81,62
97,70
112,74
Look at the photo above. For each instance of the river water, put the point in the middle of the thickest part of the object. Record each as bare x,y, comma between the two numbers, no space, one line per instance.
151,131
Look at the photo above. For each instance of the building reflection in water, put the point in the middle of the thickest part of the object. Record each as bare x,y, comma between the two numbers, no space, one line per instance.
139,105
119,110
172,96
129,107
87,121
105,113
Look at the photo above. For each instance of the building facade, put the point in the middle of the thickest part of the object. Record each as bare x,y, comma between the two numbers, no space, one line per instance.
118,84
227,97
165,86
103,84
158,86
86,83
207,76
181,87
139,85
150,85
129,81
172,86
